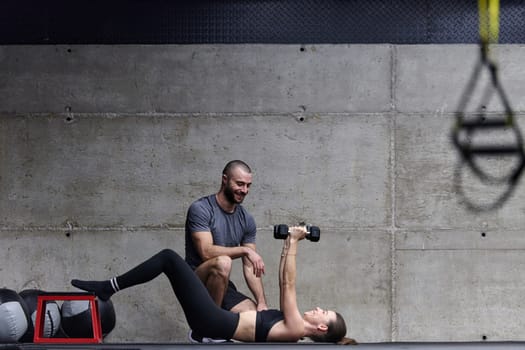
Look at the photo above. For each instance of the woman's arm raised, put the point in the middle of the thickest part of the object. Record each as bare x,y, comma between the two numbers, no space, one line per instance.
293,325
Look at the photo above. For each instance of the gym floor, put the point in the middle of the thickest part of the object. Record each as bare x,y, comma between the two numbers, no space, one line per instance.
258,346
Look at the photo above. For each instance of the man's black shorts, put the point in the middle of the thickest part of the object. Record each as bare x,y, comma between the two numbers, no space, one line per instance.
232,297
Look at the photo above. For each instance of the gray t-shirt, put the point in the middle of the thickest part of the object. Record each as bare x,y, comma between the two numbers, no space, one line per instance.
227,229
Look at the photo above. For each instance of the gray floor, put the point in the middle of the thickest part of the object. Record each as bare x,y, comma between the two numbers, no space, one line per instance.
254,346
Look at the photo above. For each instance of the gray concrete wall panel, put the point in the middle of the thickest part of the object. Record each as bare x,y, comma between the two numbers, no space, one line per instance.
195,78
106,171
432,78
460,295
151,313
426,196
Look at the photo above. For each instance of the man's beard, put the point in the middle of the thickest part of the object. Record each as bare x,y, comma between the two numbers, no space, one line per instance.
230,196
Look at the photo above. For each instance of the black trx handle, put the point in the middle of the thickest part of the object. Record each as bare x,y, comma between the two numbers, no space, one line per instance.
465,129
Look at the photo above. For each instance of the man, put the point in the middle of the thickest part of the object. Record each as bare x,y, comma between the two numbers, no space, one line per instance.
219,230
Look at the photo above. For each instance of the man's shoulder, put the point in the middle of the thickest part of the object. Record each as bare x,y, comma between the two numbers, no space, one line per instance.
205,202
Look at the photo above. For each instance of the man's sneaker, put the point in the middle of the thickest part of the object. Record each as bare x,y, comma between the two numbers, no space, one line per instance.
195,338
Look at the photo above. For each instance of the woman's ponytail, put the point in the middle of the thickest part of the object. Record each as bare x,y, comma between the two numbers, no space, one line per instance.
347,341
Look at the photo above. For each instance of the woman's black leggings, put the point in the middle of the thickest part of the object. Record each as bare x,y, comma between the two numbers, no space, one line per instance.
203,315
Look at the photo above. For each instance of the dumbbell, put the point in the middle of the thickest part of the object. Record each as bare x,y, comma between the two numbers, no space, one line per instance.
313,233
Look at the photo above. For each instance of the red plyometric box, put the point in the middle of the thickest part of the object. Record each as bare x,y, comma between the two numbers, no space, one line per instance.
41,313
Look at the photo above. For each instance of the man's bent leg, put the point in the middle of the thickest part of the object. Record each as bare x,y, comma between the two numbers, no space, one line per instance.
215,274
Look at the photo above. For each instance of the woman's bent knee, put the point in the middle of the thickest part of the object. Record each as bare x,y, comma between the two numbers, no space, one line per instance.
167,252
169,255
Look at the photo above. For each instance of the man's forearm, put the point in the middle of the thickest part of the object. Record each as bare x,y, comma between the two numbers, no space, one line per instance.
254,284
216,250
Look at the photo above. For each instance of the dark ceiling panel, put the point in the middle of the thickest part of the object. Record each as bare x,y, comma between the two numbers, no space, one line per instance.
251,21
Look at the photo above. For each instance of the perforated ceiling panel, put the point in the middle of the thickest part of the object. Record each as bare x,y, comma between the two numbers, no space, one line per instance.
251,21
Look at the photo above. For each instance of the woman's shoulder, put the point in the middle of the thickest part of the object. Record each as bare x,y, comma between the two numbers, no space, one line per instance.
280,330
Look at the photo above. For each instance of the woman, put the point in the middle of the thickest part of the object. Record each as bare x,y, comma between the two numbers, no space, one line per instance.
206,318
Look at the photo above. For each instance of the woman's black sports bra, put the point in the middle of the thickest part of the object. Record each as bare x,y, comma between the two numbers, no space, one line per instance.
264,321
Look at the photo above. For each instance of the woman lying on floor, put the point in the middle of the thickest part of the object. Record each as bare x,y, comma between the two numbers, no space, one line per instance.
208,319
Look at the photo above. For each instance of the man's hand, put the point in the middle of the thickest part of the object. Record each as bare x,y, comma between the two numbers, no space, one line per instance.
257,262
262,306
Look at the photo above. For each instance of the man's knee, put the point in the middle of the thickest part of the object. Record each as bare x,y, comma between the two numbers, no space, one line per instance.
222,266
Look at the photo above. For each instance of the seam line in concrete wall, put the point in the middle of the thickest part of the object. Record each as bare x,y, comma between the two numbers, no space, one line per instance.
393,273
458,249
393,77
158,227
89,228
392,124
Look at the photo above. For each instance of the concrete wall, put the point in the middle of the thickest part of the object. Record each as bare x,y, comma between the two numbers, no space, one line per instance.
103,148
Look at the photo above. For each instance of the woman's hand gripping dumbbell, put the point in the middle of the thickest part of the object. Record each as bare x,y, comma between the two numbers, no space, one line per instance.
313,233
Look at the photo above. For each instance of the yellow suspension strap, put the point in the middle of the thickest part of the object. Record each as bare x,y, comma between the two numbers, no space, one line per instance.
468,126
488,23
